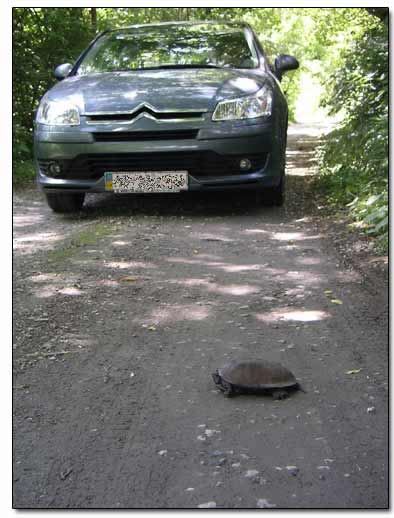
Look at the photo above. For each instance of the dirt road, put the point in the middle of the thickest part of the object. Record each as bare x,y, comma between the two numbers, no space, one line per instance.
121,315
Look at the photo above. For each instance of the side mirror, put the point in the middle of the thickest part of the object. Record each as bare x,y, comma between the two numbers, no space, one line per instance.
283,63
62,71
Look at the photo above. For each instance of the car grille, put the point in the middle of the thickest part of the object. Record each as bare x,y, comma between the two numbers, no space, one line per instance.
197,163
133,136
124,117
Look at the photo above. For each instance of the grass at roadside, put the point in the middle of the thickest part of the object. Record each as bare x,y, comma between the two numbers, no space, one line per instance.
23,174
85,237
355,182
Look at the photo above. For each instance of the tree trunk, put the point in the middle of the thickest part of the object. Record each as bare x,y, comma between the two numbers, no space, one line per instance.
93,18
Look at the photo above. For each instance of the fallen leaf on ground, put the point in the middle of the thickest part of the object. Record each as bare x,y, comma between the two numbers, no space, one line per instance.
129,278
353,371
336,301
64,474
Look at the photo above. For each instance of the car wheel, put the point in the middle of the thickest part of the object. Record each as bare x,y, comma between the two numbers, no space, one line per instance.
273,196
65,203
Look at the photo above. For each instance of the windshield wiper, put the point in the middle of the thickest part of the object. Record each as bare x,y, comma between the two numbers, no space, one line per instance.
189,66
175,66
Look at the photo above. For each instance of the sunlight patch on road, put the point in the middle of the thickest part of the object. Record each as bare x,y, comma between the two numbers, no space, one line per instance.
243,267
46,277
51,284
70,291
312,130
121,243
193,282
52,290
177,313
288,247
40,240
290,315
237,289
293,236
44,236
123,265
288,236
300,171
27,220
223,289
305,277
256,231
107,283
226,267
46,292
309,261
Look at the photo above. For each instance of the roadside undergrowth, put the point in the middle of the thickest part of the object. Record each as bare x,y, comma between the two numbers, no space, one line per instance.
354,157
23,174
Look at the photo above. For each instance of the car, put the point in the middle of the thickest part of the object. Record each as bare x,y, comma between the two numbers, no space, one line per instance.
167,107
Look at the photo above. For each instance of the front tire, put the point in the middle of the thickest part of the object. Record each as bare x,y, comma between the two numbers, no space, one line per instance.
272,196
65,203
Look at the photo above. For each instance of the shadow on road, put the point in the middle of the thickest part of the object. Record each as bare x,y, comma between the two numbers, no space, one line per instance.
219,203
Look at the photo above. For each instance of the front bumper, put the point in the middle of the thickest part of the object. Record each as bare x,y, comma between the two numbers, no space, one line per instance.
210,158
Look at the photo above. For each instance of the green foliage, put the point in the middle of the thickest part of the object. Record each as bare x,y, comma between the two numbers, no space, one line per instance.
42,39
354,160
23,173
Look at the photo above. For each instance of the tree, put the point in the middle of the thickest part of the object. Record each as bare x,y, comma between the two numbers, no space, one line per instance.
381,12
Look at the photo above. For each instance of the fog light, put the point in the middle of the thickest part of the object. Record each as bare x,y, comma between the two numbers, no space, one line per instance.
245,164
54,168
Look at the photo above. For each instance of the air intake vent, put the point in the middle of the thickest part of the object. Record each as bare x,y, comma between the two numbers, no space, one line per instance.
133,136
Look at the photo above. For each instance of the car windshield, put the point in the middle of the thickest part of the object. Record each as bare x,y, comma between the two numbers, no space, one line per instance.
172,46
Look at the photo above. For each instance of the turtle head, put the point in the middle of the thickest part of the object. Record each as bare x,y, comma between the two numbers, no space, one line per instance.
216,378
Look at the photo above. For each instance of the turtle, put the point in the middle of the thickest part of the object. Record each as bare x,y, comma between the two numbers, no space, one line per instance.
255,376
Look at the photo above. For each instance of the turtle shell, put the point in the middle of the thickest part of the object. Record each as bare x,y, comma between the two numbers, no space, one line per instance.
257,375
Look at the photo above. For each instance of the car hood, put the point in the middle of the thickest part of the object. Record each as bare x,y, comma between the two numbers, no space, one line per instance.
176,89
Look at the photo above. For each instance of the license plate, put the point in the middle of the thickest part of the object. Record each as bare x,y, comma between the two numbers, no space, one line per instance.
146,181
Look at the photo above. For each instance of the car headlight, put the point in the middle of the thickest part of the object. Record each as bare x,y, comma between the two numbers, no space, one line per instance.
248,107
58,113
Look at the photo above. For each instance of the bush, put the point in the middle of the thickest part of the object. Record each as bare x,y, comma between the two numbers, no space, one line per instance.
354,158
23,173
42,39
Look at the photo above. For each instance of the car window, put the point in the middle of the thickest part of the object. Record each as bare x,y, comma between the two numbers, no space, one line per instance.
200,45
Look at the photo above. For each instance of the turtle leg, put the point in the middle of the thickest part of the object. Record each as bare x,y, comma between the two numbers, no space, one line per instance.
280,394
227,389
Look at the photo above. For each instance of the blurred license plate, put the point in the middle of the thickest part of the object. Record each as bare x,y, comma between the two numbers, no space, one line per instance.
147,181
